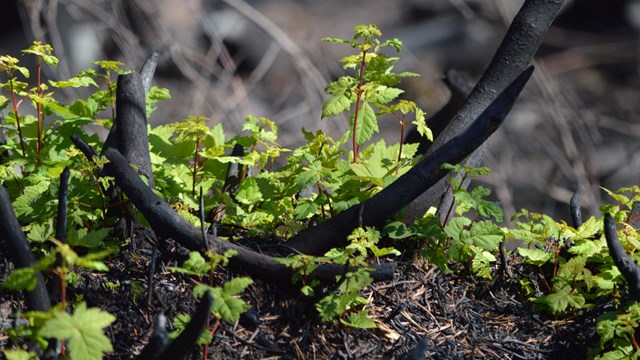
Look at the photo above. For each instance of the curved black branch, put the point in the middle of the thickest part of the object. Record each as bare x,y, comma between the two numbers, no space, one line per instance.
147,71
157,342
181,346
86,149
576,209
380,207
460,90
131,124
61,220
516,51
625,264
165,221
20,252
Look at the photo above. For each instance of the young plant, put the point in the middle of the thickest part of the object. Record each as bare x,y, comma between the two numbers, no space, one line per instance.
372,86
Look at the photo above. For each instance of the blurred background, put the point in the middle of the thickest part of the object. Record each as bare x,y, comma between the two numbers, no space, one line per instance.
575,126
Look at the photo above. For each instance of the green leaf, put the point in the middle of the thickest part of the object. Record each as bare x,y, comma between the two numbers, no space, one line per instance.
367,123
21,279
397,230
83,329
562,298
340,100
382,95
77,81
249,192
195,265
225,305
421,125
41,232
360,320
20,355
535,256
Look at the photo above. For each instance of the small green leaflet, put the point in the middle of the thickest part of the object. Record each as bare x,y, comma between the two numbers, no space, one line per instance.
340,101
21,279
562,298
226,305
83,329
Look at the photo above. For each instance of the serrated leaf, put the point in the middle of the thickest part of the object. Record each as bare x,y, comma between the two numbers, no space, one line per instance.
486,235
249,192
83,329
77,81
21,279
535,256
236,285
382,95
359,320
341,97
41,232
366,125
562,298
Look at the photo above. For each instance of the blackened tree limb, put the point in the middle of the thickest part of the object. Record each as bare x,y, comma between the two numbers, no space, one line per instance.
147,71
61,220
157,342
131,124
400,193
520,43
181,347
86,149
460,90
576,209
20,252
628,268
167,223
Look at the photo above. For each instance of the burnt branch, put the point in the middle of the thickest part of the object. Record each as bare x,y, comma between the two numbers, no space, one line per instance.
61,220
460,90
20,252
165,221
181,346
629,268
520,43
576,209
427,172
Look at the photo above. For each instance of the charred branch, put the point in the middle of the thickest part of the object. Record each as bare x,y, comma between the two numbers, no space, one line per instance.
629,268
521,42
576,209
20,252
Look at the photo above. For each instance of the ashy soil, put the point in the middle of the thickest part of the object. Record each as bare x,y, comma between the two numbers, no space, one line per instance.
422,311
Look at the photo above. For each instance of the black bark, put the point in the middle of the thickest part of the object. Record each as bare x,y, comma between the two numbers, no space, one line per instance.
181,346
521,42
131,124
392,199
576,209
61,220
20,252
625,264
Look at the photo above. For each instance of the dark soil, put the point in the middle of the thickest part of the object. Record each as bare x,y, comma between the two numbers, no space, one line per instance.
448,316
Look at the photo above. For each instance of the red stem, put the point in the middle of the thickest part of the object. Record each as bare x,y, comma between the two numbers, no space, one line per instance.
15,111
358,98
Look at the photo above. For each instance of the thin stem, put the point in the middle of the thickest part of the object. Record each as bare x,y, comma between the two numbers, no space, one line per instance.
15,111
113,103
195,167
358,98
402,125
39,112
